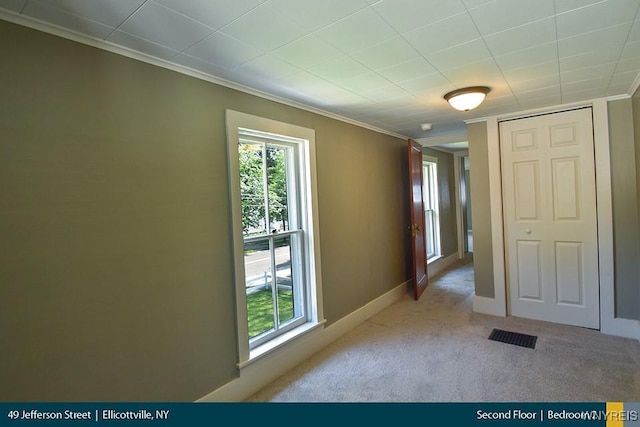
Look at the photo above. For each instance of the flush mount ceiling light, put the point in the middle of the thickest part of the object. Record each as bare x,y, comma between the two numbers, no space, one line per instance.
467,98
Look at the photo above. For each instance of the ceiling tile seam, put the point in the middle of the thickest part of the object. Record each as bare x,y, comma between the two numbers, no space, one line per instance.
493,58
586,6
126,19
622,51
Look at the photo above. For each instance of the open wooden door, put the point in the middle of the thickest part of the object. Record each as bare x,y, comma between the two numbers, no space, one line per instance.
417,227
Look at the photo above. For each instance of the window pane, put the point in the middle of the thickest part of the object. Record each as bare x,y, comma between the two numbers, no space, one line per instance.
284,279
252,189
277,180
257,271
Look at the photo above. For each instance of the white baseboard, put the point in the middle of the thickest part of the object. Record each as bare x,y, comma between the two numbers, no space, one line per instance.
627,328
490,306
267,369
441,264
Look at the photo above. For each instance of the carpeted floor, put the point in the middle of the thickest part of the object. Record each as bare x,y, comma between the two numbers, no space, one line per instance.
437,350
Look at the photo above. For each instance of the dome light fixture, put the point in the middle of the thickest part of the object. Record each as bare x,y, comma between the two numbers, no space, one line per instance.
467,98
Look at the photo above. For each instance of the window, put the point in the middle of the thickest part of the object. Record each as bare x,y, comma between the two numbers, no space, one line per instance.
276,255
432,221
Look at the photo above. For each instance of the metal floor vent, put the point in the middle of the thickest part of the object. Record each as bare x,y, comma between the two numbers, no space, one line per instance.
522,340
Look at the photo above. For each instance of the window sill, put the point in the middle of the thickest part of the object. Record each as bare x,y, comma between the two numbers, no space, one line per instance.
280,341
434,259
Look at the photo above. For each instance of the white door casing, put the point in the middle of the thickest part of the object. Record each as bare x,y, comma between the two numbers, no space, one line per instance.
548,178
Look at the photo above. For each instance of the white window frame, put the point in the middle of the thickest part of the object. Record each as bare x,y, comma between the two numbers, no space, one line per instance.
430,187
306,167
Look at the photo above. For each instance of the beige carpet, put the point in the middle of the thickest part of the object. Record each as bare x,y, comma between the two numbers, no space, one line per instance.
437,350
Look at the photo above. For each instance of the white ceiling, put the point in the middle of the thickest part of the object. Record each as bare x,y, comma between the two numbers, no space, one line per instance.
385,63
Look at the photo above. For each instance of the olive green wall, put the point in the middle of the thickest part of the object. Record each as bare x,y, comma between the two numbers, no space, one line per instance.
116,278
481,209
447,201
624,194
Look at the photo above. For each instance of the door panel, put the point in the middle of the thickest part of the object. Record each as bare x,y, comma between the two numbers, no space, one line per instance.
529,266
569,273
527,191
417,227
550,218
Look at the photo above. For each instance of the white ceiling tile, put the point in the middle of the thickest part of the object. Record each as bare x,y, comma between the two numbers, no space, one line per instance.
622,89
431,82
459,56
407,70
163,26
599,15
132,42
604,71
339,68
13,5
383,94
214,13
392,51
612,38
568,5
362,83
630,51
224,51
266,68
598,84
628,65
527,57
483,73
502,15
444,34
318,14
200,65
634,34
312,86
265,28
624,78
44,12
499,101
583,95
538,93
307,52
407,15
527,85
534,103
110,13
470,4
532,72
516,39
588,59
357,32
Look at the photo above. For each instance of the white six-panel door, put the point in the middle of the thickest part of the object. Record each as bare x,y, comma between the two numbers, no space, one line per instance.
548,183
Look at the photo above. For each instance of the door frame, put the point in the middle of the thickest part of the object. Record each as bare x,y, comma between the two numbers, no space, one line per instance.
609,324
458,171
